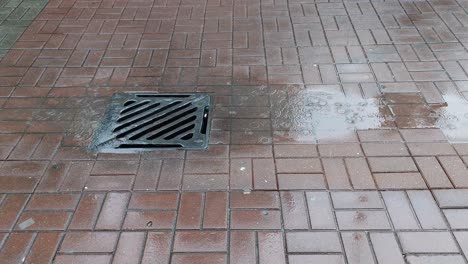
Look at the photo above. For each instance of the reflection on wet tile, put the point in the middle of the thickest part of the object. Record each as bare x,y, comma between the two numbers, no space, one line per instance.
453,118
329,114
326,114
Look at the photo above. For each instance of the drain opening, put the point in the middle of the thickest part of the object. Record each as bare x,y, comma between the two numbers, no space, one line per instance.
144,121
151,146
164,95
205,120
133,107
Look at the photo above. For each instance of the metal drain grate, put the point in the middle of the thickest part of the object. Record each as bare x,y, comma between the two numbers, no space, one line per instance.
146,121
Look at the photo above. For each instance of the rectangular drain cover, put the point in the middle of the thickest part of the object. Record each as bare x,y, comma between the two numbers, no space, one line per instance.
149,121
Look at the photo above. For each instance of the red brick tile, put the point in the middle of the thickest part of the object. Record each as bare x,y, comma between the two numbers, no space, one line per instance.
242,247
25,147
113,211
433,173
200,241
386,248
197,182
393,164
359,173
256,199
301,242
294,209
456,218
264,174
363,220
157,248
148,175
109,183
72,153
53,202
213,151
421,135
410,180
23,168
129,247
145,201
451,198
5,151
43,220
301,181
10,209
251,151
206,166
11,184
340,150
455,169
332,259
213,258
357,248
356,200
335,173
53,177
417,259
44,248
190,211
171,175
12,126
462,239
320,210
385,149
89,242
96,259
164,153
87,211
215,212
295,151
461,148
431,149
399,210
255,219
16,247
77,176
298,166
240,174
271,248
114,167
139,220
426,210
47,147
427,242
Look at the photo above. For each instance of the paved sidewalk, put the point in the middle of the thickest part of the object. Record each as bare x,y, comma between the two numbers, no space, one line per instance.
261,227
339,132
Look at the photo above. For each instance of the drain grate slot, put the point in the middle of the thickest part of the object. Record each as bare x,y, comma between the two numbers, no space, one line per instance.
205,120
150,146
144,121
172,128
164,95
133,107
123,118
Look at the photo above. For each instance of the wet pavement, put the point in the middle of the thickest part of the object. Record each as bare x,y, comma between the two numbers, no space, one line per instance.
339,132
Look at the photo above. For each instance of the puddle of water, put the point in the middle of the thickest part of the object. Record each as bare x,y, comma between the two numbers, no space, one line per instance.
311,114
329,114
453,118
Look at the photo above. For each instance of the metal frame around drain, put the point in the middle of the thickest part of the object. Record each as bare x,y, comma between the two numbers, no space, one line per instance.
143,121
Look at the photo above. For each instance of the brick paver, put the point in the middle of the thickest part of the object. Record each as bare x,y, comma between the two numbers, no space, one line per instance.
339,132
